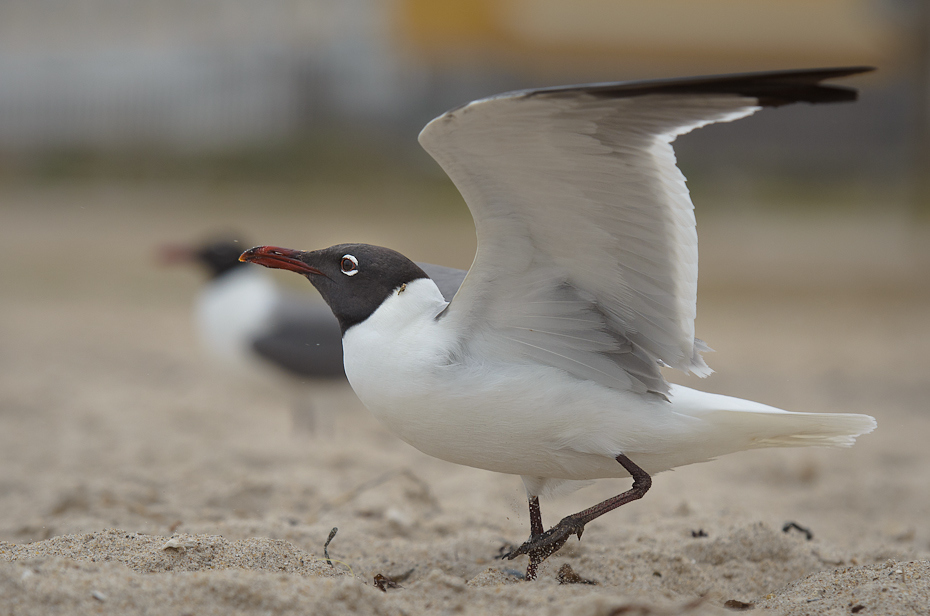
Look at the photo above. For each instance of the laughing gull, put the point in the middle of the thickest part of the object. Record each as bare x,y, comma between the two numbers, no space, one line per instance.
546,363
244,318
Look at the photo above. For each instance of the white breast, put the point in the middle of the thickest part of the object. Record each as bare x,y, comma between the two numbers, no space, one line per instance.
389,353
233,310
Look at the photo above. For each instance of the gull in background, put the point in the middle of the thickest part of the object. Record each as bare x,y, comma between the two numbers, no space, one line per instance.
246,319
547,362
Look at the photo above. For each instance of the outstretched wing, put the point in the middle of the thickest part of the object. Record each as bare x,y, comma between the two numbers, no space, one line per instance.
587,248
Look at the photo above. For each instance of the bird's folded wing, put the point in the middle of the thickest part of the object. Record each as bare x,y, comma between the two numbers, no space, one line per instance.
303,338
587,249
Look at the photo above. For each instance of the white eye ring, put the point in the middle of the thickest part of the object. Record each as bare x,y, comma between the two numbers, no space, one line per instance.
350,262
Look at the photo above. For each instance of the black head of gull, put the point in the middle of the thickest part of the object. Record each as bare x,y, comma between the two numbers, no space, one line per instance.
218,257
354,279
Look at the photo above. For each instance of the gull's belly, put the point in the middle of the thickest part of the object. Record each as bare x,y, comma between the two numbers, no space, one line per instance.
523,420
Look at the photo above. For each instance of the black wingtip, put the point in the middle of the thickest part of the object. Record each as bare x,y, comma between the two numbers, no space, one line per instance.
770,88
784,87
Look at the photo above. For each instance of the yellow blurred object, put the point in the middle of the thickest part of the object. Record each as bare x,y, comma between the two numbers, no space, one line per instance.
728,34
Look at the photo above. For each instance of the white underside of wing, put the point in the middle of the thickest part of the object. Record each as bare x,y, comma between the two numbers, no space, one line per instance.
587,248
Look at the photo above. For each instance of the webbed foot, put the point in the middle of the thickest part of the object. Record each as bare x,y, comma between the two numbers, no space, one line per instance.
542,546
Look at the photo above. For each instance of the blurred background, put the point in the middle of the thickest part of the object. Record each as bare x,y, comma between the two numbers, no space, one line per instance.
291,90
126,125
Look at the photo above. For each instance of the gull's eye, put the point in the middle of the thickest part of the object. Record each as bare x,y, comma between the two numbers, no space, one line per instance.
349,265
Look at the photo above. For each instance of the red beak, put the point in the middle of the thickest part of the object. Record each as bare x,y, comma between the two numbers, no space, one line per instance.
279,258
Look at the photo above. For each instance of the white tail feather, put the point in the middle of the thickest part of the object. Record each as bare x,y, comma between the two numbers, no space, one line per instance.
732,424
776,428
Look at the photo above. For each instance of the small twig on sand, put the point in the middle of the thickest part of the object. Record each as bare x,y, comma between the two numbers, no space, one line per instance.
332,534
789,525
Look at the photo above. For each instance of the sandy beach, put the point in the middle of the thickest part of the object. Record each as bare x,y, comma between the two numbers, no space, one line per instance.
137,477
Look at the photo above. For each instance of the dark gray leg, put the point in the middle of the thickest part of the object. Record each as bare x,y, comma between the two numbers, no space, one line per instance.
536,529
542,546
536,525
